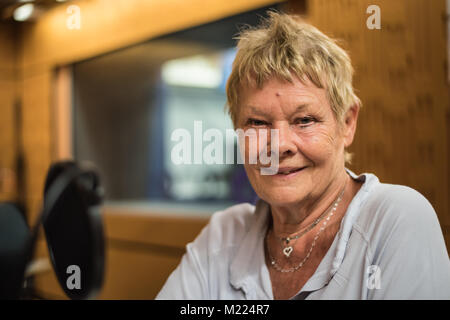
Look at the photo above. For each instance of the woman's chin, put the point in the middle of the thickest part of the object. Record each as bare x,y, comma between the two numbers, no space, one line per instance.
282,197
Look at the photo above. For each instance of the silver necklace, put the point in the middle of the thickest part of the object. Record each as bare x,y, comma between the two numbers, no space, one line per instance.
288,248
273,262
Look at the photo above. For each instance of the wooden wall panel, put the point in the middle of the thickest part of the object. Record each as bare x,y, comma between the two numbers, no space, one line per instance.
7,141
7,112
135,272
105,27
61,114
36,133
153,228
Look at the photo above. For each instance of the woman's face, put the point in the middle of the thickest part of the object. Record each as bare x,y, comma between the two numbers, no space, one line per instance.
311,145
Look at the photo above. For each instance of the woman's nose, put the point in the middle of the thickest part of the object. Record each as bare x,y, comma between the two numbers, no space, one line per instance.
286,138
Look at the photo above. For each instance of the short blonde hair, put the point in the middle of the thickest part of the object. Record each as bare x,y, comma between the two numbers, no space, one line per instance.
284,46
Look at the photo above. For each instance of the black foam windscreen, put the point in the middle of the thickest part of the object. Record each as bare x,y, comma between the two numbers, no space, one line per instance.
14,250
55,171
73,226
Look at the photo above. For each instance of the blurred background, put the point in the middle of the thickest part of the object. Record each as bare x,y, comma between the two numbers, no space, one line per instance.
108,81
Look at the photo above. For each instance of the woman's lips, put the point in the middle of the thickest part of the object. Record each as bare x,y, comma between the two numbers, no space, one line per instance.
288,172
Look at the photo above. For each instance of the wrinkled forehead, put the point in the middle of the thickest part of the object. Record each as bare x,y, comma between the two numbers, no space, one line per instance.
281,95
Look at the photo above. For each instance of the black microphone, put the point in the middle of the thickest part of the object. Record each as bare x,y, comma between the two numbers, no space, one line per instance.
73,228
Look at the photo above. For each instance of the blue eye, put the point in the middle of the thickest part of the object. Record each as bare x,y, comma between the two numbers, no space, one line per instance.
305,121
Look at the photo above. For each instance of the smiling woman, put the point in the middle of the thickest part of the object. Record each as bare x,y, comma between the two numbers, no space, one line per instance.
309,138
319,230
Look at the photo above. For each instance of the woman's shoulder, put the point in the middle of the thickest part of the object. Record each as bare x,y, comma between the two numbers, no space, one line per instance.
377,197
393,206
234,218
398,201
227,227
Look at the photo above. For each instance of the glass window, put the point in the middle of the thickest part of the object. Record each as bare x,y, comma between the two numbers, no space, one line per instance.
129,104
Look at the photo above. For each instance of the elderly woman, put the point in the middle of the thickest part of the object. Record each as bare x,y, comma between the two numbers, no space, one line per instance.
318,231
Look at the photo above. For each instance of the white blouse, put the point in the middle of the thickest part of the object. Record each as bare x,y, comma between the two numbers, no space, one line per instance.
389,246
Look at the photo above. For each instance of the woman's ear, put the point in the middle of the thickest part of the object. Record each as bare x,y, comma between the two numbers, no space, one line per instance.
349,124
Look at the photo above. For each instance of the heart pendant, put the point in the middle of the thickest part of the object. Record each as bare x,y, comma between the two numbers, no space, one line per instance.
287,251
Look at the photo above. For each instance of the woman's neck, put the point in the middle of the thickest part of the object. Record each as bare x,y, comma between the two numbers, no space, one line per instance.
288,220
